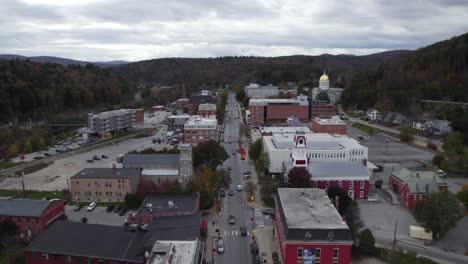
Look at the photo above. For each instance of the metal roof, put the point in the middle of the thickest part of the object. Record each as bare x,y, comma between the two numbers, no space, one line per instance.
151,160
107,173
22,207
338,169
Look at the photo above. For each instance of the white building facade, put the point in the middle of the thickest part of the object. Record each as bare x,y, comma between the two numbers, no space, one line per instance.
255,91
284,148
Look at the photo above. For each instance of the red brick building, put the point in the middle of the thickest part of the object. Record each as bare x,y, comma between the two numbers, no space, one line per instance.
207,110
31,216
321,109
139,116
196,100
309,228
277,111
414,184
165,205
334,125
198,129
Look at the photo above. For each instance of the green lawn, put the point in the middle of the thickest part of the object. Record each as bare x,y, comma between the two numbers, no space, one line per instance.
367,129
38,195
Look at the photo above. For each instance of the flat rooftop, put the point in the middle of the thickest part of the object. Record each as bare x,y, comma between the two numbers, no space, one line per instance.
113,112
201,122
107,173
315,141
283,129
151,160
169,205
167,252
335,120
309,208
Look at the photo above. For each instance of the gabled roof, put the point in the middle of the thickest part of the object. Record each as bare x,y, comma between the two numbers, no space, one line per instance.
419,180
22,207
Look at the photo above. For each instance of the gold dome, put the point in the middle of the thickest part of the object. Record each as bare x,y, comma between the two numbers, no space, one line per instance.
324,77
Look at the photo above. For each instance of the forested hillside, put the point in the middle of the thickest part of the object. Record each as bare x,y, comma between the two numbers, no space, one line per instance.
35,90
437,72
243,70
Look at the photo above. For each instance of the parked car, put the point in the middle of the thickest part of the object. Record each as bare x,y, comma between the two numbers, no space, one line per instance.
229,168
243,230
38,157
239,187
222,193
254,248
96,158
90,161
378,184
78,207
110,208
231,192
232,219
255,259
220,246
431,146
91,206
247,172
104,156
47,154
246,177
117,208
123,211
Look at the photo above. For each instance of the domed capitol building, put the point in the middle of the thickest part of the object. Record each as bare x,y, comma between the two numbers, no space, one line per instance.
334,94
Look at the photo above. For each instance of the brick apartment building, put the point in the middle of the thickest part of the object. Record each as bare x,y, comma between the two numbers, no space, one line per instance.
207,110
309,228
31,216
165,205
414,184
333,125
199,129
195,100
104,184
321,109
277,111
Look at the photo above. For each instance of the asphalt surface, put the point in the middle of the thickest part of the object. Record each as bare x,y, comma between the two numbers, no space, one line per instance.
237,247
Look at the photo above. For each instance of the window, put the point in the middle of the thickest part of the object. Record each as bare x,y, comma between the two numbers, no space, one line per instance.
90,260
361,194
45,256
351,184
300,252
362,184
67,258
315,184
33,255
317,252
328,184
335,253
37,220
339,183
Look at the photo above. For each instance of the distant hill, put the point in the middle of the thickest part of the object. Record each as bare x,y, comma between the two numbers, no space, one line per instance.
61,61
36,90
242,70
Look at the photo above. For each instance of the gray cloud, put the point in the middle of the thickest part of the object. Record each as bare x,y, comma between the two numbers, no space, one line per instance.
136,30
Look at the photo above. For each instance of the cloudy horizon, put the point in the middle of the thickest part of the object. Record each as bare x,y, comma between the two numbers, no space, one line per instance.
104,30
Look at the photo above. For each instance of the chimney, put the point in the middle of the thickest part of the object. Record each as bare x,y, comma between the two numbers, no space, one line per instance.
337,202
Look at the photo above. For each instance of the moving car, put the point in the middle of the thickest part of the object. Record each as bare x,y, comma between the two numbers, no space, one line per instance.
104,156
254,248
239,187
91,206
220,246
232,220
246,177
243,230
96,158
231,192
117,208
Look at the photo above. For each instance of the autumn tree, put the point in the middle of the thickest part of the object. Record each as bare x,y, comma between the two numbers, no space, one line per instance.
462,195
209,153
299,177
250,188
27,147
262,164
12,151
256,149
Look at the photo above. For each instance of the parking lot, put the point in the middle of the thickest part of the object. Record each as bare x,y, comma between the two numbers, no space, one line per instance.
98,216
55,176
386,149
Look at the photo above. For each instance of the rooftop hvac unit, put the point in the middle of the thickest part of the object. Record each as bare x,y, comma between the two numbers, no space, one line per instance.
171,204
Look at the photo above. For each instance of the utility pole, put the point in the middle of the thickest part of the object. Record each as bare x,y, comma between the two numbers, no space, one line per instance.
394,235
69,193
22,184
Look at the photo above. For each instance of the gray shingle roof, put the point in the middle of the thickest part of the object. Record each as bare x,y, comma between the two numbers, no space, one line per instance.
151,160
23,207
109,173
78,239
338,169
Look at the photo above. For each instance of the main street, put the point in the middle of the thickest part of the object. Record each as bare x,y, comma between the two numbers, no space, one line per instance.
237,247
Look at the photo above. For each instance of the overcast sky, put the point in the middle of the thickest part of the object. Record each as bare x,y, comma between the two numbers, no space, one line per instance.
100,30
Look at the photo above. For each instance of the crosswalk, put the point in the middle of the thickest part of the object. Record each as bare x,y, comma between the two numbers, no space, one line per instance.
259,223
233,233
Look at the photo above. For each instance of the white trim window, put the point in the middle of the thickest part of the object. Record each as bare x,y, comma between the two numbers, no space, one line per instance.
351,184
361,184
340,184
336,253
327,184
361,194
